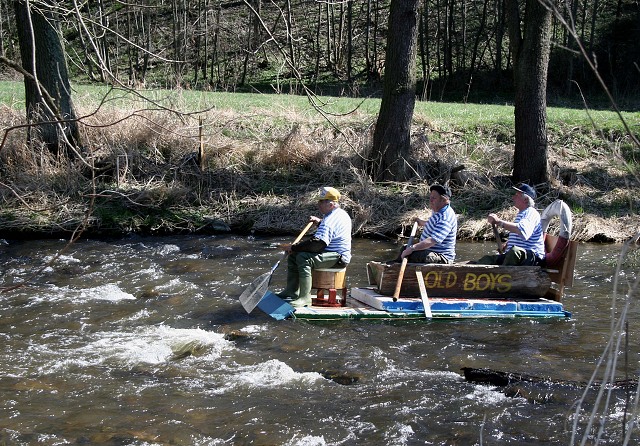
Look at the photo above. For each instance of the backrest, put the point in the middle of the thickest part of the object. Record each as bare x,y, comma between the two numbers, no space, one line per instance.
563,272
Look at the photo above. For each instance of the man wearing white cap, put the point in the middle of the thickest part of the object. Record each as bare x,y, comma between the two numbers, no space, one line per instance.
329,247
525,245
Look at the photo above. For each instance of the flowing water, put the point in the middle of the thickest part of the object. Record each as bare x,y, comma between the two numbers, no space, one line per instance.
142,341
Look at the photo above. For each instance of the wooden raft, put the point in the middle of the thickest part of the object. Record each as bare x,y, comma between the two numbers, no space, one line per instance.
461,280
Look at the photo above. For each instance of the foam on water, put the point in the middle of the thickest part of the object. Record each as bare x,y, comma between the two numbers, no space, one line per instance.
109,291
307,440
64,259
146,345
271,374
399,434
167,249
488,395
254,329
176,285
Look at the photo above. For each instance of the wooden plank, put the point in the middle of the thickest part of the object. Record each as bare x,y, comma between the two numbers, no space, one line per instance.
463,280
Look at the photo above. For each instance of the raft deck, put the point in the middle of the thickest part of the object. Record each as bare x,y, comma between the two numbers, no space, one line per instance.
367,303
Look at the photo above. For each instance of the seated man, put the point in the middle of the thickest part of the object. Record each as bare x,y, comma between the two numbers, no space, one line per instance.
329,247
437,242
525,245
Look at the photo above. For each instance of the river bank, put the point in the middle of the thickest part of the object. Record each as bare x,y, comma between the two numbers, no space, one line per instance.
378,211
256,170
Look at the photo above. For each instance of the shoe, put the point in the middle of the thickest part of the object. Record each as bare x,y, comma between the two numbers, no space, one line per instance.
301,302
286,297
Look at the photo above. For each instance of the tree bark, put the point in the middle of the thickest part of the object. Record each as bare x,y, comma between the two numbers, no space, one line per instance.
47,89
530,50
392,136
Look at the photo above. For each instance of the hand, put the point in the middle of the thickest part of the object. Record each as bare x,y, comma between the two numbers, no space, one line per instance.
286,247
493,219
407,252
315,219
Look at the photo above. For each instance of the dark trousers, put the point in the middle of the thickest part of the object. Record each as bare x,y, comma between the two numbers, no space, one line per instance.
424,256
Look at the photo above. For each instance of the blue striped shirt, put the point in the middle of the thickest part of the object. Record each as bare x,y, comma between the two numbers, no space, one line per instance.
335,231
442,227
528,221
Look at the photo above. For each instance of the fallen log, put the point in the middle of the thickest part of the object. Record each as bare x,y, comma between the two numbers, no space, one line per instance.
504,379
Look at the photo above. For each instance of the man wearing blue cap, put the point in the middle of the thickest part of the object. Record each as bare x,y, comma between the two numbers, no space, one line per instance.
437,242
525,245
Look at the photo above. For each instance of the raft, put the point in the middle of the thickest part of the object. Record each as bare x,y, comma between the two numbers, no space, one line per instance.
453,291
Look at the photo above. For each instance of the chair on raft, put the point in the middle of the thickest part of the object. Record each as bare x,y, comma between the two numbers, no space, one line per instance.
561,250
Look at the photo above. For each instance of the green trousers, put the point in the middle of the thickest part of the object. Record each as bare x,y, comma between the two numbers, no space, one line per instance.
514,257
299,269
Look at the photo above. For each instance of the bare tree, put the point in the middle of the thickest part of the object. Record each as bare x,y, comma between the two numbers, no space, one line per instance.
46,79
530,49
392,136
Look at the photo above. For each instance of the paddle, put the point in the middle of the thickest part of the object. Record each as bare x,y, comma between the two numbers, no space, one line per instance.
403,266
496,234
254,292
423,294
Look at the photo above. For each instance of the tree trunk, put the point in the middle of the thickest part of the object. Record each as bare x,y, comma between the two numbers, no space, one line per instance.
392,136
531,59
47,90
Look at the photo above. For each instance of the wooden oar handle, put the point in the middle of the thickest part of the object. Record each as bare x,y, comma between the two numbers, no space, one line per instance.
304,231
496,234
403,266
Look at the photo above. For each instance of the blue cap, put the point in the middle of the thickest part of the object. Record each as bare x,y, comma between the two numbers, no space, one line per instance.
442,190
526,189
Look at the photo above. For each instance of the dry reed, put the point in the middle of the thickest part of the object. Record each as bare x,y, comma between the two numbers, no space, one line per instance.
261,170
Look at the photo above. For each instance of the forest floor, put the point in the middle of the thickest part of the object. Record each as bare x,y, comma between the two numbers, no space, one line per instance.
262,169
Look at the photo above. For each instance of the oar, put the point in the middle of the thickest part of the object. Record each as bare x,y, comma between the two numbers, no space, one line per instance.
403,266
496,234
254,292
423,294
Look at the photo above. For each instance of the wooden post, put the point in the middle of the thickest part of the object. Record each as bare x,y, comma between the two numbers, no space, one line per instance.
201,158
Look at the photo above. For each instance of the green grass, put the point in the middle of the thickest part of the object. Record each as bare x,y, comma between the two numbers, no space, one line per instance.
458,117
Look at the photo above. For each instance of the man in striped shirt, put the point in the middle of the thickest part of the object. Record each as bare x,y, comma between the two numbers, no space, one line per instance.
438,239
525,245
329,247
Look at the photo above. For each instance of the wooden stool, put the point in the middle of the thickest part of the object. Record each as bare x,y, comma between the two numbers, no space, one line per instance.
332,280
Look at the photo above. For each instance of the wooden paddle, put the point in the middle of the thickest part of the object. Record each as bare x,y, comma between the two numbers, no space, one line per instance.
254,292
496,234
403,266
423,294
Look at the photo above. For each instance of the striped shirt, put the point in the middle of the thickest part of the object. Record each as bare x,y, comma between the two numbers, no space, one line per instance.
528,222
442,227
335,231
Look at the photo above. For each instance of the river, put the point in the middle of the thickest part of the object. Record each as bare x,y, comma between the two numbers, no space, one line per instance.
142,341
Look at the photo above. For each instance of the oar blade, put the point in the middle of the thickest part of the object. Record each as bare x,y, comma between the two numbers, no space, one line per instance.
254,292
259,287
275,307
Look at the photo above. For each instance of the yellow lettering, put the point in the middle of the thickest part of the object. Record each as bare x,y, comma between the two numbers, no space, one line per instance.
452,278
469,282
483,282
431,279
504,283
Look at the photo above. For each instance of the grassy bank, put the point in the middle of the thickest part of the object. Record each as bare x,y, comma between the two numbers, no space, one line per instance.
266,155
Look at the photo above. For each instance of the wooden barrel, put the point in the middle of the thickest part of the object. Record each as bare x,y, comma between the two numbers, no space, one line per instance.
330,278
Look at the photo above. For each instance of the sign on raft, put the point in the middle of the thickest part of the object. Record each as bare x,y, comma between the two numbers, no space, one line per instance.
461,280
